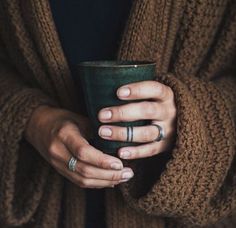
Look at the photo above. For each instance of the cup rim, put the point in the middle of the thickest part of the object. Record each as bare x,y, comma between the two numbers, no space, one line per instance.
115,63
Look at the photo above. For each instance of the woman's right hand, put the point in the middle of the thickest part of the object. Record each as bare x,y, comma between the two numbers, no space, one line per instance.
59,134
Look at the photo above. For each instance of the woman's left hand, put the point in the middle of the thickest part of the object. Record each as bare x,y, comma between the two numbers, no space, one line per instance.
159,107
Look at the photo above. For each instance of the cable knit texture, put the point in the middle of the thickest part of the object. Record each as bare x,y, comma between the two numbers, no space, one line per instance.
193,184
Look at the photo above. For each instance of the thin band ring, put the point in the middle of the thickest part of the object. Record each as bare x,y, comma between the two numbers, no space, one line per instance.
130,131
161,135
72,164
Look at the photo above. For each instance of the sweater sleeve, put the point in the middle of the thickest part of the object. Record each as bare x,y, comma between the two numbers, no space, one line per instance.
197,185
20,186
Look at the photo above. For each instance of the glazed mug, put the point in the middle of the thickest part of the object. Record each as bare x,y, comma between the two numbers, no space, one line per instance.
100,81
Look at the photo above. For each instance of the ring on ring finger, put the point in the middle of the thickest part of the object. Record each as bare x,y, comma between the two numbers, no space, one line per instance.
72,164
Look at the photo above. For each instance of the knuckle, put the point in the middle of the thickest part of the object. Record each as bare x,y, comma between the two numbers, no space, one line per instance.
63,130
62,133
84,171
120,112
138,91
101,162
149,109
115,176
80,153
122,134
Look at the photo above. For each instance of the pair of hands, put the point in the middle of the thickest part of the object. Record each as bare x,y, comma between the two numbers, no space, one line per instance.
59,134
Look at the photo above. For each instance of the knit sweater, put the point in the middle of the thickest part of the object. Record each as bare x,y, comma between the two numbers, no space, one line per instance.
193,44
86,38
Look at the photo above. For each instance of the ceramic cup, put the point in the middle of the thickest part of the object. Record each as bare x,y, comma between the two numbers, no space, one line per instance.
100,81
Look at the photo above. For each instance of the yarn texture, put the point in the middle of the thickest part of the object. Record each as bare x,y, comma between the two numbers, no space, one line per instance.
194,46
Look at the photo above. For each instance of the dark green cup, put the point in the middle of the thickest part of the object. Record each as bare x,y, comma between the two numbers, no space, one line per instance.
100,81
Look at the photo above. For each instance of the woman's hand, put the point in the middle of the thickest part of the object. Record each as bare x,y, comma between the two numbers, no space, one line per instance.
59,134
159,107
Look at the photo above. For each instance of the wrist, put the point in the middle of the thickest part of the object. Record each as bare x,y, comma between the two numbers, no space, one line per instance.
36,120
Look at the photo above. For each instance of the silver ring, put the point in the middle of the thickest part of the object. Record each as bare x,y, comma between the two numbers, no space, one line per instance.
72,164
161,135
130,131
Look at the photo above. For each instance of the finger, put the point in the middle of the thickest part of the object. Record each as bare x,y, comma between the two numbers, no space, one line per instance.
86,170
83,151
142,151
89,171
145,90
136,111
141,134
61,157
85,182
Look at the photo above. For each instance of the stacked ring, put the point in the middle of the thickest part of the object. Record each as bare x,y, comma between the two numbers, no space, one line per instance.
72,164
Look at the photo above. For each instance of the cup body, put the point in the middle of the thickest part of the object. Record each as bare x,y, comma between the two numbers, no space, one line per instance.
100,81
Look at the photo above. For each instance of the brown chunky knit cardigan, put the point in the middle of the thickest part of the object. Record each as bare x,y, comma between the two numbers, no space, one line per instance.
194,46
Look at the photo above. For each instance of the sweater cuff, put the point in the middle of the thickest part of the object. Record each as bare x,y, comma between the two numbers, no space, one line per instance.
14,116
196,166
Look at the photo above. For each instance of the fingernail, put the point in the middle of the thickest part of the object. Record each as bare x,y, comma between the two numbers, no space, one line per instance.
105,131
106,114
116,166
127,175
125,154
124,92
